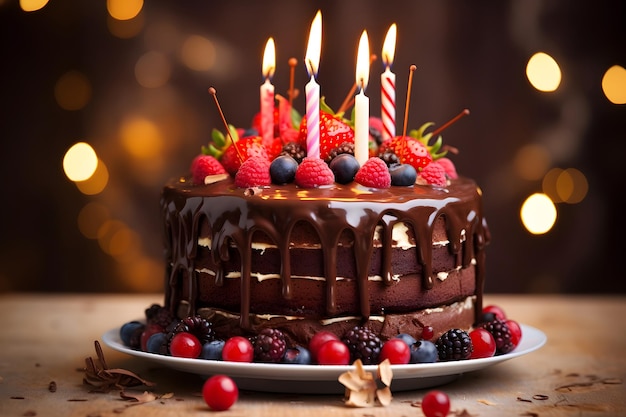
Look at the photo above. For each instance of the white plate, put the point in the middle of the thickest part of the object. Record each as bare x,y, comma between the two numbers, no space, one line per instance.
322,379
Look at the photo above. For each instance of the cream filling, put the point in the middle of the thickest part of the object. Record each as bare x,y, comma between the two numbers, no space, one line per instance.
264,277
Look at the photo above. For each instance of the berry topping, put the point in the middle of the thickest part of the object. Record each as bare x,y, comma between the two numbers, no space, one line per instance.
411,151
390,157
496,310
483,344
424,351
403,175
333,132
297,356
283,169
244,148
220,392
516,331
345,167
254,172
428,332
294,150
185,345
196,325
436,404
363,344
203,166
345,147
314,172
269,346
448,167
157,343
396,350
433,174
212,350
333,352
501,334
374,173
148,331
157,314
130,333
454,345
238,349
318,340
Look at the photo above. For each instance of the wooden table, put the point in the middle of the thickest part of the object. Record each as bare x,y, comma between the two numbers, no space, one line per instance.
45,338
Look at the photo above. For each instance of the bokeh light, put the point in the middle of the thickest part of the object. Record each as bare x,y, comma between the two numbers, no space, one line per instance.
152,70
72,90
614,84
96,183
543,72
141,138
538,214
32,5
125,29
124,9
80,162
565,185
532,162
198,53
91,218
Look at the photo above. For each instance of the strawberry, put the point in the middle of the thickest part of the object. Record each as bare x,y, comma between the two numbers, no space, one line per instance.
333,132
244,148
203,166
254,172
313,172
433,174
411,151
374,173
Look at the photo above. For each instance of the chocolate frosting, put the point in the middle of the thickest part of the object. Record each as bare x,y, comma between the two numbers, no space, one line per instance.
234,215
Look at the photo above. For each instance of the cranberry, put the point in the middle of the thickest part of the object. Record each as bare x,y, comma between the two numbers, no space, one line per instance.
185,345
318,340
495,310
436,404
483,343
238,349
147,332
428,332
333,352
516,331
396,350
220,392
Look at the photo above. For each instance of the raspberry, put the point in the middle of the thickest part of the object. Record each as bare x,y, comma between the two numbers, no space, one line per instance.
203,166
363,344
501,334
448,167
294,150
313,172
433,174
269,346
454,345
374,173
254,172
156,314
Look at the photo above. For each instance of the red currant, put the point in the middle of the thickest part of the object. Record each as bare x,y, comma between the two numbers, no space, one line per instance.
516,331
483,344
149,331
497,311
436,404
318,340
396,350
333,352
428,332
220,392
185,345
238,349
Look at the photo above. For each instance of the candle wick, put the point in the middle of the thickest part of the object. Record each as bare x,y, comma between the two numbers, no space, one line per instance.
213,92
292,67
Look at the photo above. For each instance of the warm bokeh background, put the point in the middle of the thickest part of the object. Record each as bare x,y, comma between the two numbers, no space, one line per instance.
136,91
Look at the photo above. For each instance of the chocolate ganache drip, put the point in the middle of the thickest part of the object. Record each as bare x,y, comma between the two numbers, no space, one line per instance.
234,215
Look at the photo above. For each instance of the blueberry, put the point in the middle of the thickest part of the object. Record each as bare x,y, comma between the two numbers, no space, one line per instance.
407,338
423,351
283,169
129,331
297,356
402,174
157,343
212,350
345,167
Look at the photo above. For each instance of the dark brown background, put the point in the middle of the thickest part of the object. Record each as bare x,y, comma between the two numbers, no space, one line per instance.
468,53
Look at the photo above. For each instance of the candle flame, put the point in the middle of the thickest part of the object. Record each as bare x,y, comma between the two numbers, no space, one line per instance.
269,59
363,62
389,46
314,47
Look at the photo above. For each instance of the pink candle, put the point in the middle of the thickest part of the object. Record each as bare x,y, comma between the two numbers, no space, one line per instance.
362,102
388,86
312,89
267,93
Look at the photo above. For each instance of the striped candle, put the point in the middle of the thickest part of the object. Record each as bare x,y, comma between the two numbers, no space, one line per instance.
312,89
388,86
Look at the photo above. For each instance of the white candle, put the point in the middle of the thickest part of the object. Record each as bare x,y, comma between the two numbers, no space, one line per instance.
362,102
312,89
267,93
388,86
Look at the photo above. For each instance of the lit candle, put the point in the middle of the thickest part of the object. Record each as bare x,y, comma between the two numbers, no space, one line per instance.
388,86
267,93
312,89
362,102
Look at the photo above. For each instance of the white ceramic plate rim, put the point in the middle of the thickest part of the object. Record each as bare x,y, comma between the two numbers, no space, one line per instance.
532,339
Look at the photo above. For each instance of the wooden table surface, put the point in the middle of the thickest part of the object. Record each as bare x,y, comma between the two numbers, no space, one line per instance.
45,338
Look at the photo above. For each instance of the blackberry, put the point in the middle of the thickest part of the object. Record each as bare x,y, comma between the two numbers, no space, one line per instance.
454,345
269,346
344,147
501,334
196,325
294,150
389,157
377,135
156,314
363,344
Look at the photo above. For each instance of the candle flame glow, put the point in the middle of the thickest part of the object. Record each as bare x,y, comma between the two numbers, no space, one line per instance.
389,46
269,59
363,62
314,47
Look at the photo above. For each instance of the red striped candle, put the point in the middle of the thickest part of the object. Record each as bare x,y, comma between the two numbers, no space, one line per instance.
388,85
